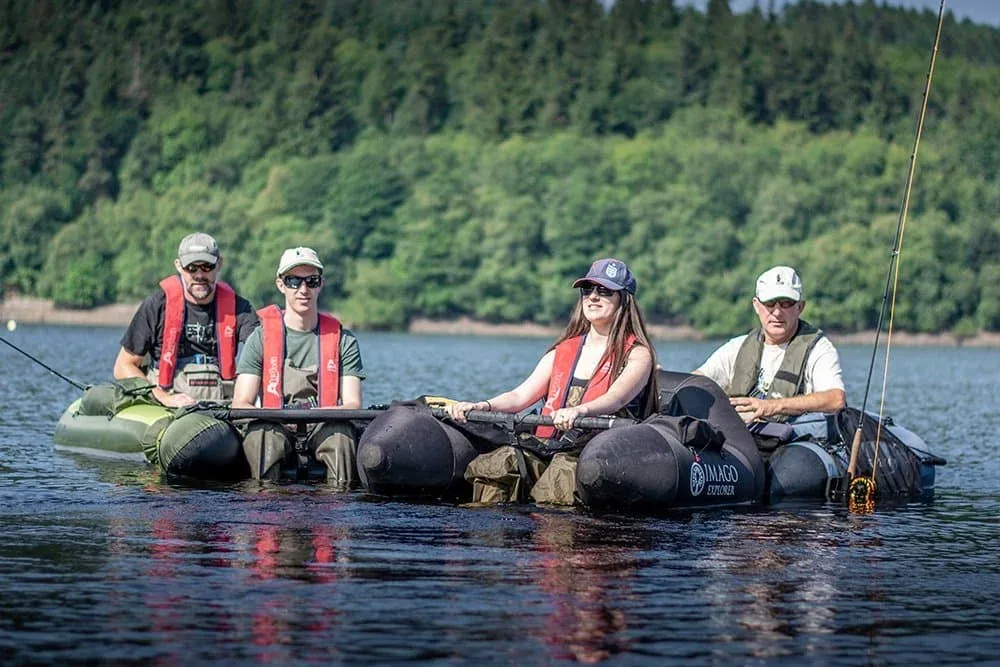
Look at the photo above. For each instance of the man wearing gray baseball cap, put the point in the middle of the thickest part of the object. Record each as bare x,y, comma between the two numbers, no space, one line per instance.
189,329
784,367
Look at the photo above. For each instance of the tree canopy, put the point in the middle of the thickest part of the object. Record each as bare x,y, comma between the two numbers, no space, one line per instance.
471,157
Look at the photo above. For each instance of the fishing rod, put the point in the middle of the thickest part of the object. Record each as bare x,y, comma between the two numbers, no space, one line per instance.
312,415
44,365
861,490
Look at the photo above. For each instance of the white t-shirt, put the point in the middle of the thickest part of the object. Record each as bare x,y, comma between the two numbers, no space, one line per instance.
822,366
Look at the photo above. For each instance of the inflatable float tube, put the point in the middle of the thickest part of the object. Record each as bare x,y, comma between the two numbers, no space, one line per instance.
407,451
190,444
813,464
697,453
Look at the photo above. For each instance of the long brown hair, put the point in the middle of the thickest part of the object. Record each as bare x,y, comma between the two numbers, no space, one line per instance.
628,322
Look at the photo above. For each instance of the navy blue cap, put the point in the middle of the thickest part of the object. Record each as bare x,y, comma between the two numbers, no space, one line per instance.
610,273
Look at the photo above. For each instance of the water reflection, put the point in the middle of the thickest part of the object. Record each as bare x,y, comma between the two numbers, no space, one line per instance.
107,563
585,580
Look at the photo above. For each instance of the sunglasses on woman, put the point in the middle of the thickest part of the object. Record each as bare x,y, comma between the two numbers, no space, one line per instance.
600,290
294,282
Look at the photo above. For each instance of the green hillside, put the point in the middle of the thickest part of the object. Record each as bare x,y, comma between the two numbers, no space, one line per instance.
469,157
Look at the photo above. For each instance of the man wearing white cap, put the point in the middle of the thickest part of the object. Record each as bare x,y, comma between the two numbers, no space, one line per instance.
305,358
189,329
784,367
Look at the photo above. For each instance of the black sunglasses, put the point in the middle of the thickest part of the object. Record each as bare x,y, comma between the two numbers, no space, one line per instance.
784,304
601,290
294,282
203,268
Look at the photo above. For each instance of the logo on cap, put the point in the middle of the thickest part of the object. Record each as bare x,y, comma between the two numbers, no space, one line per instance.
611,271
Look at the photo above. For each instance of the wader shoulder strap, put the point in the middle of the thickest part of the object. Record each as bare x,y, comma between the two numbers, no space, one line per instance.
790,378
746,368
173,324
272,326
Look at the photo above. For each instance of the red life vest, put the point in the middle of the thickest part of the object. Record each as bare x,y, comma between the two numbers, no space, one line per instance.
567,355
272,323
173,325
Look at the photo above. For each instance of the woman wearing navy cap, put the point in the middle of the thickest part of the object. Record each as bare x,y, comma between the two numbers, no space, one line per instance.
602,364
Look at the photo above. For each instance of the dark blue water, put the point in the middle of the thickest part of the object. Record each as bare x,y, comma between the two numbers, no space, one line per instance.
105,562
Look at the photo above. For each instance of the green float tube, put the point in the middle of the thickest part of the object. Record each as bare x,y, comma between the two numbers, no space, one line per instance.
123,421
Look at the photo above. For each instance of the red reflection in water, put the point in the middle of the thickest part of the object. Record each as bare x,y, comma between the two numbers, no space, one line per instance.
582,580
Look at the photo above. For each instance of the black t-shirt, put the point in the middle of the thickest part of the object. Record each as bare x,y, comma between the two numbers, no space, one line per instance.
145,332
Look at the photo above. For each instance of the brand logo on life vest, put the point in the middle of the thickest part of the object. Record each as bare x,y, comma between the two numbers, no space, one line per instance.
697,479
228,331
272,377
331,366
167,356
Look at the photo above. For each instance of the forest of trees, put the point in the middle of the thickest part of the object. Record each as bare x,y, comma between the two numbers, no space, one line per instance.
471,157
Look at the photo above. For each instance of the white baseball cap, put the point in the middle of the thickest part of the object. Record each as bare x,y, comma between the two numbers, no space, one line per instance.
298,257
779,282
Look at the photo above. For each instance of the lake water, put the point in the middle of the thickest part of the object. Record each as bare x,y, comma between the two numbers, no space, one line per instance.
105,562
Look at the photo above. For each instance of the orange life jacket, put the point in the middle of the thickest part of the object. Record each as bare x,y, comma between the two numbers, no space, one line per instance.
173,325
272,324
567,355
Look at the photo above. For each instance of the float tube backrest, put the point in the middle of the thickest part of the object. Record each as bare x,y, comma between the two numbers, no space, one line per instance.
698,396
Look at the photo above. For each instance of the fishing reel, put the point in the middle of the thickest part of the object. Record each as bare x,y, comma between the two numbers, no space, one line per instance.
861,495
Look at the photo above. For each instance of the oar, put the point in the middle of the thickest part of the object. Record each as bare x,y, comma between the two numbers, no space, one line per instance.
313,415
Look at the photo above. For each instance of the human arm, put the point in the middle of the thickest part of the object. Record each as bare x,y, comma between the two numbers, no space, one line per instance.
139,339
249,370
527,393
753,409
626,386
129,365
245,390
720,364
350,393
824,389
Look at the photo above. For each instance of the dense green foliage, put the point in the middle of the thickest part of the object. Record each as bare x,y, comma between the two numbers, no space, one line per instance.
471,157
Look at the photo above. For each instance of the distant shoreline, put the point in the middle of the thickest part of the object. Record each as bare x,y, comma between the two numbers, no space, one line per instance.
28,310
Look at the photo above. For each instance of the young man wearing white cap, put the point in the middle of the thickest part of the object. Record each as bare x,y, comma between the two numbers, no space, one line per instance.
784,367
189,329
301,357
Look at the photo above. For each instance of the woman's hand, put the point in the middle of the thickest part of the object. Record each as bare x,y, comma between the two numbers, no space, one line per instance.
563,418
457,411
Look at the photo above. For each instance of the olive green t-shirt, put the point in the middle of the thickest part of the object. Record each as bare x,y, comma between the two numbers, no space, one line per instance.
301,351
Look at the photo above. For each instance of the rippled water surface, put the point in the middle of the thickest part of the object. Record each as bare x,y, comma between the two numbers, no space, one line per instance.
105,562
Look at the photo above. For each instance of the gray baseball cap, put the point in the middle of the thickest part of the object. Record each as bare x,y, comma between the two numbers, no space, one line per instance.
198,247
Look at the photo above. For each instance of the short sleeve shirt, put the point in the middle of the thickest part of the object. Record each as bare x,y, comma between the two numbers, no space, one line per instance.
301,351
144,334
822,370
